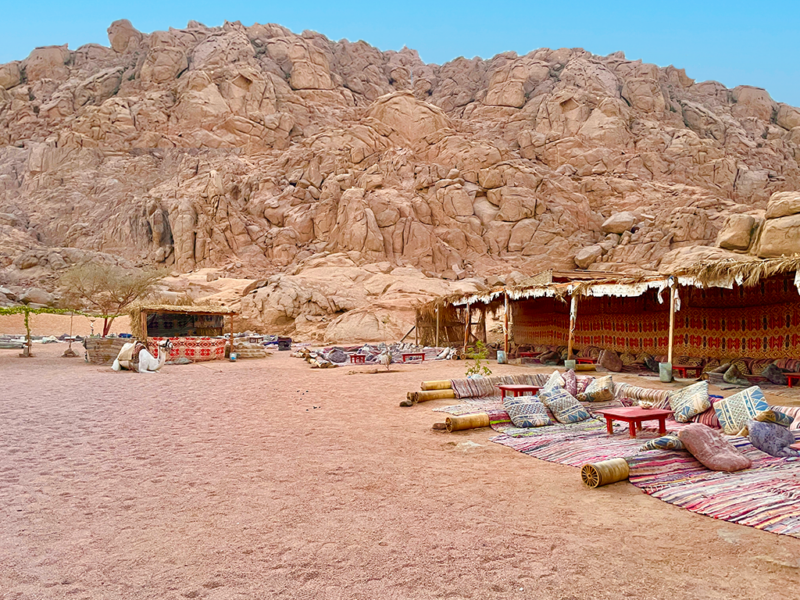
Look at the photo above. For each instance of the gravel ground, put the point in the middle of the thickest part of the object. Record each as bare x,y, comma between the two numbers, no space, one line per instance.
223,481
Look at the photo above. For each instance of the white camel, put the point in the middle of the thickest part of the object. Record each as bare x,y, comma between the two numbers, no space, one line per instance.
134,356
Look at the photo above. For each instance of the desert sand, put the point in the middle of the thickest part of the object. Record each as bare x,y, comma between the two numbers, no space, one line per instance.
266,479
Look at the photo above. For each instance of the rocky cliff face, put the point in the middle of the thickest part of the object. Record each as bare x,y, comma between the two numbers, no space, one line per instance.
255,149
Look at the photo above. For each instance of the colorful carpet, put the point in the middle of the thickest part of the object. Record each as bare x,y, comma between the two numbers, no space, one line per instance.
765,496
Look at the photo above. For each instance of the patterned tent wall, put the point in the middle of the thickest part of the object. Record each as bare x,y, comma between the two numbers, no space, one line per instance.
758,322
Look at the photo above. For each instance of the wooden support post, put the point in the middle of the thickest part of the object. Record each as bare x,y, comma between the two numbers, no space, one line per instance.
573,313
483,325
231,333
468,324
505,325
437,326
671,323
416,330
143,322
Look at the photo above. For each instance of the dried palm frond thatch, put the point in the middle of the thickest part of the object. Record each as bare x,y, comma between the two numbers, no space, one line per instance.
743,271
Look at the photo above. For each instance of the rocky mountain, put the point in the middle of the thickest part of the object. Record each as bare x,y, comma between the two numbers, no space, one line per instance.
270,154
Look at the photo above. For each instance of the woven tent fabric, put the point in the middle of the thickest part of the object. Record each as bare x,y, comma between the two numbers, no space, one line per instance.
196,349
760,322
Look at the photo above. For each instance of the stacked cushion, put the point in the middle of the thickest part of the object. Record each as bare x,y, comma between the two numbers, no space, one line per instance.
571,382
667,442
565,408
690,401
772,438
774,416
709,417
735,411
708,446
599,390
526,412
556,380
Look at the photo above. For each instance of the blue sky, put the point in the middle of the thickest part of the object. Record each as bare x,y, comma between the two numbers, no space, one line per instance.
753,43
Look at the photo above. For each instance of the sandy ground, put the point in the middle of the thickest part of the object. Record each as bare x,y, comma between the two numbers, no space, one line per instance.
58,324
222,481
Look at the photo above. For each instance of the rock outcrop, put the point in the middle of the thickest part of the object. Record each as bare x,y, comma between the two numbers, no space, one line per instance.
257,147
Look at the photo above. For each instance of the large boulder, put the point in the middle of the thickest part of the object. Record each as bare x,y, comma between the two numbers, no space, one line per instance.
788,116
407,118
737,232
619,223
780,237
10,75
587,256
123,36
37,296
783,204
47,62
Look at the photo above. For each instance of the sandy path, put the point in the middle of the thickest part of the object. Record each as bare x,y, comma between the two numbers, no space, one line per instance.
222,481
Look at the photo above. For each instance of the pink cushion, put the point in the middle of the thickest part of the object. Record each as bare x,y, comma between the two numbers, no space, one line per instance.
708,446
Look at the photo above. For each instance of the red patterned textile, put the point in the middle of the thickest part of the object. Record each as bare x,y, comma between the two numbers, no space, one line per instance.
759,322
196,349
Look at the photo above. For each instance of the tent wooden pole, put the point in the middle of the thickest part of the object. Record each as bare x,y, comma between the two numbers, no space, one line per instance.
505,325
671,323
468,323
573,313
143,321
483,324
416,330
437,326
231,333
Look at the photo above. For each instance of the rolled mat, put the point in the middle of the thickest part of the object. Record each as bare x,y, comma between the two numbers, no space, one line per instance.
435,385
435,395
467,422
605,472
584,368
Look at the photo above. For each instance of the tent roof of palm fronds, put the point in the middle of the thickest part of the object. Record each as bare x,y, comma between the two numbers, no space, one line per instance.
136,311
746,271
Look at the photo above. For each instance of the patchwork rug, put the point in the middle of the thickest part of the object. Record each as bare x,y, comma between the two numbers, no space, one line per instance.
765,496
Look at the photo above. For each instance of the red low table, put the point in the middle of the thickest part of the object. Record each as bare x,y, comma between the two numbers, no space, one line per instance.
526,354
414,355
518,390
584,361
634,417
792,378
685,369
359,359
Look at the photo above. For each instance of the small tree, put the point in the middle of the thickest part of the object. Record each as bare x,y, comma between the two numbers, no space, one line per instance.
478,355
107,289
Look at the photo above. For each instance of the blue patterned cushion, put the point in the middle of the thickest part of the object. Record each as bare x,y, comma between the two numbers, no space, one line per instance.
565,408
525,412
690,401
667,442
599,390
735,411
775,416
771,438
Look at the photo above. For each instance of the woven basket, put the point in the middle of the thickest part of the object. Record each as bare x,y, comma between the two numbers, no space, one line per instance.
467,422
605,472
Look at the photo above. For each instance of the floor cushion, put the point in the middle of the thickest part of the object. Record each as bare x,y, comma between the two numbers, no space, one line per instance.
599,390
525,412
667,442
571,382
774,416
734,376
690,401
709,417
713,452
774,375
555,380
565,408
609,359
735,411
771,438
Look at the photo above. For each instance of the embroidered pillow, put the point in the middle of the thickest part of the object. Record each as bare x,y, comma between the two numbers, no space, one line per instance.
735,411
556,380
599,390
564,407
775,416
771,438
709,417
525,412
667,442
571,382
690,401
